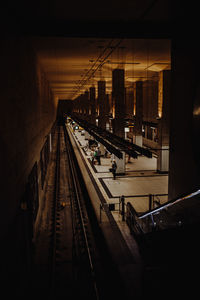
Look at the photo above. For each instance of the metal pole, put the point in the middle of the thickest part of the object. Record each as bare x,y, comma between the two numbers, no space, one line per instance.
100,212
123,208
150,201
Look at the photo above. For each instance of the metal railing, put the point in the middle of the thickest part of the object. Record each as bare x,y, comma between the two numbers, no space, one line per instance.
109,206
153,200
159,217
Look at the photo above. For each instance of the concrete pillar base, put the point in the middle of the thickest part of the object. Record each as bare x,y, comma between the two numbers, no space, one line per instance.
138,140
163,160
120,164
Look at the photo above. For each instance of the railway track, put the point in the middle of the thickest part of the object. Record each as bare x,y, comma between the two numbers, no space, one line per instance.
84,250
72,257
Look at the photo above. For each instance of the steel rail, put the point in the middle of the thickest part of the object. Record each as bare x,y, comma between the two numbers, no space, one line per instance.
54,212
168,204
78,199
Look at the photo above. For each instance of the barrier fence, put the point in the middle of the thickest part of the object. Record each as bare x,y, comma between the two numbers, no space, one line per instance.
152,201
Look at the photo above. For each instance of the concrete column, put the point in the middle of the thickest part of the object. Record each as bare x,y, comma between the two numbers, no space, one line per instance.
92,105
129,99
163,125
138,140
184,175
102,103
129,102
81,101
150,100
138,112
78,104
121,163
163,159
86,104
118,94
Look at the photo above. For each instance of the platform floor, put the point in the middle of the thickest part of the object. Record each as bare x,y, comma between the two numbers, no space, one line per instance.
140,180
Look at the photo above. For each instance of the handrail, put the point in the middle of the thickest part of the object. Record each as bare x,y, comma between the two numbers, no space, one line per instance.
146,223
169,203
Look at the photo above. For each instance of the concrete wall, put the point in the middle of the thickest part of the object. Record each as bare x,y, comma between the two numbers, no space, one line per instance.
184,174
150,100
28,111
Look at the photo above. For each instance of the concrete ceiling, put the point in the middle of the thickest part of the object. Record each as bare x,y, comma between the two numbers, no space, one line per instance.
72,65
112,10
73,59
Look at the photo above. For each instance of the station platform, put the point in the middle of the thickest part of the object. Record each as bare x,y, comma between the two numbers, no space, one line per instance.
140,180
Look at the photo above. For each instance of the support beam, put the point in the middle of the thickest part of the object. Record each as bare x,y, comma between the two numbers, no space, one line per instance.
92,105
163,126
102,103
118,94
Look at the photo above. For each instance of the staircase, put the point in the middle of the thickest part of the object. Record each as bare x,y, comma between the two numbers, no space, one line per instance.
168,237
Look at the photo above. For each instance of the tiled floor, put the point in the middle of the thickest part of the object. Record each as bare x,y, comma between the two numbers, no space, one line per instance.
140,180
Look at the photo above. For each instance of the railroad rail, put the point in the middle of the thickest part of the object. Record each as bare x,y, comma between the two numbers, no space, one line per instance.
72,257
83,252
55,214
84,248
